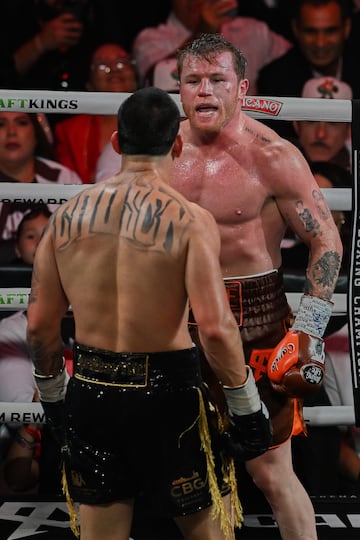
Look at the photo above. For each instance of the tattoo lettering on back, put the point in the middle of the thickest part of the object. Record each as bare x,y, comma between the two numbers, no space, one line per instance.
147,216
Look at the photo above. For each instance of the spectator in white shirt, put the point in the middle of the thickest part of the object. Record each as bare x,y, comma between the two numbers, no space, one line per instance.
155,48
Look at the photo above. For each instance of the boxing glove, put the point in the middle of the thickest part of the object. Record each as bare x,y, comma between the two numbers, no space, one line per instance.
55,419
52,390
249,432
297,364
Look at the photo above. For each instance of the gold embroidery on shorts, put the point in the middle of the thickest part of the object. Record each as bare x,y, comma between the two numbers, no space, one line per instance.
73,515
125,373
76,479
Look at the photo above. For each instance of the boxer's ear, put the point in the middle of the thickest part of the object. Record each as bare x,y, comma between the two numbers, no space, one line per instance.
177,147
115,142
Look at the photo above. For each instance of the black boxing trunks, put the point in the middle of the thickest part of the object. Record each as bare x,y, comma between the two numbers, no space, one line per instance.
261,309
140,423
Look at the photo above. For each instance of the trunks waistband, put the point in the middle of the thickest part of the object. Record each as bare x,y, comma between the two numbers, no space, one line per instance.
256,300
135,370
259,299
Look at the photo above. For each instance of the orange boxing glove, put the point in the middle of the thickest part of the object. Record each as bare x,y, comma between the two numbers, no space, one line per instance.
296,365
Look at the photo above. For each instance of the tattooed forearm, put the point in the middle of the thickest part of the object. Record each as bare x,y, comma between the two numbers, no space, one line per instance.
45,362
323,274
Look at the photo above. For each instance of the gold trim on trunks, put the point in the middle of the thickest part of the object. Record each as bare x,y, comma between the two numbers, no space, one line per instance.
129,371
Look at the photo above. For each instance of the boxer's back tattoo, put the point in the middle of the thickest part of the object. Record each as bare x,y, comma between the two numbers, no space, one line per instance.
148,216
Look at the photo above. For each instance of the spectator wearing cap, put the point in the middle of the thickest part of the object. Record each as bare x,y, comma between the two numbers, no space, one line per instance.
323,140
79,140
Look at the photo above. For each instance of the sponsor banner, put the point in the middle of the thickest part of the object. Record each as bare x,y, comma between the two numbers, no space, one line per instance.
36,101
14,300
17,192
268,106
292,108
24,413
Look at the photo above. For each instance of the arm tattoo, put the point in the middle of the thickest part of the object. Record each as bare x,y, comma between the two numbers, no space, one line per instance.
324,273
310,224
321,205
256,135
40,357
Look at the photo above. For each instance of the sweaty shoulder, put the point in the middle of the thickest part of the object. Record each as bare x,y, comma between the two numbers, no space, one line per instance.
280,166
258,133
270,147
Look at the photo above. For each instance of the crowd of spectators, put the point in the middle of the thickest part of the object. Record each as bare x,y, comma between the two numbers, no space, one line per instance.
300,48
80,140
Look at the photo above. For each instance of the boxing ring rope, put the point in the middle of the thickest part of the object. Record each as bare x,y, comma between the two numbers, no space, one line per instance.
337,198
260,107
32,413
279,108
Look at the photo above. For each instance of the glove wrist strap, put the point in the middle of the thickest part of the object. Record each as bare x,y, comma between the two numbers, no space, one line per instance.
243,399
313,315
54,388
51,376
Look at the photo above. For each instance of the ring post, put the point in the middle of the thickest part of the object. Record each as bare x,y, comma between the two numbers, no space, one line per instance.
354,272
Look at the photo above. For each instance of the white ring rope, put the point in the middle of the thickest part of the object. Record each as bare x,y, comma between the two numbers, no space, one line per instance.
16,299
39,193
337,198
277,108
33,413
24,413
333,415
